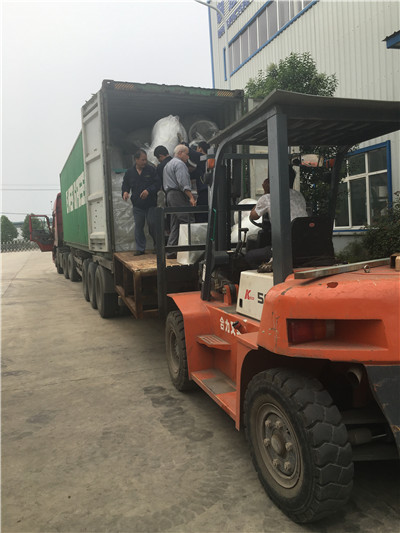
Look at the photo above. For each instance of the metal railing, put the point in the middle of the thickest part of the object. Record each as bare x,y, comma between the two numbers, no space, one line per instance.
162,249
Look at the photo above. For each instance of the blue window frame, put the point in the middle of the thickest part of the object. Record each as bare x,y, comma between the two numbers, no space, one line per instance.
366,191
269,21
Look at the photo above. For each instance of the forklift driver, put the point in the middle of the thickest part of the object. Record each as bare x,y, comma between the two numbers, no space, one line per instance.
256,257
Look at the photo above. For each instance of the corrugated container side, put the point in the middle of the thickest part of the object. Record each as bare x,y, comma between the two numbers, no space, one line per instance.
73,198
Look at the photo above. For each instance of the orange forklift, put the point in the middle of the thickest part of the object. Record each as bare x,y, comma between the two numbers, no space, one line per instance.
305,358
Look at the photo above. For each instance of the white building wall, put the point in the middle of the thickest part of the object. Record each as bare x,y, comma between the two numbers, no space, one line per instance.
344,37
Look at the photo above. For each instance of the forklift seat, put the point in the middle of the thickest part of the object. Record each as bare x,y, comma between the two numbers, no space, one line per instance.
312,241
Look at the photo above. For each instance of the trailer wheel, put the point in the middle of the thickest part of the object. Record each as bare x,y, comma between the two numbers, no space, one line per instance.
106,297
298,443
72,272
65,264
91,283
85,284
176,351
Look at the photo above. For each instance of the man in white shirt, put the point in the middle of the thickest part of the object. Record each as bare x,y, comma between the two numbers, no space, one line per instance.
297,209
297,201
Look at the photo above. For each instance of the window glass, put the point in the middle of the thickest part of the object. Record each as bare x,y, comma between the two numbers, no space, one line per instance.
245,44
377,160
272,19
296,7
358,201
236,54
356,164
262,28
283,8
342,206
378,195
253,37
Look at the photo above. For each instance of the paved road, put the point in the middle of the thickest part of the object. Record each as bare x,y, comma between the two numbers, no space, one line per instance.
95,438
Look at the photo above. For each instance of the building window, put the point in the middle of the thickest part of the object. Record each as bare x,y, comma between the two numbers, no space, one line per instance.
364,193
263,27
253,39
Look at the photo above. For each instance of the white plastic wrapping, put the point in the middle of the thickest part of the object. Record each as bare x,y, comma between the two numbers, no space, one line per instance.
198,234
246,222
165,133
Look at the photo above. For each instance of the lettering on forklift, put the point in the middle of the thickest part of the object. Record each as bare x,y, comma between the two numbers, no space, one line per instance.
261,297
75,196
227,326
247,295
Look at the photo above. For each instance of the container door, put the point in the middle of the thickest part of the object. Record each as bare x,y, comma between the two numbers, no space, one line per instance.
95,174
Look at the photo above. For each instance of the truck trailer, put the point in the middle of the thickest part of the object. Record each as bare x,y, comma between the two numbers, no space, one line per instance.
92,226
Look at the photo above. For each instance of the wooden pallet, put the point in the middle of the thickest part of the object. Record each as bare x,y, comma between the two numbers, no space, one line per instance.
136,281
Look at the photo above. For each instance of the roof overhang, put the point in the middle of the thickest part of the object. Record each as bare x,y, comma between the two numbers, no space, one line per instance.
315,120
393,41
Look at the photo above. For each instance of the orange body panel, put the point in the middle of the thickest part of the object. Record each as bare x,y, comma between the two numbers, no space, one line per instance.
365,308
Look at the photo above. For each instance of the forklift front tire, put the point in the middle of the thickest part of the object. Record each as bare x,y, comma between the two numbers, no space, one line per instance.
176,352
298,444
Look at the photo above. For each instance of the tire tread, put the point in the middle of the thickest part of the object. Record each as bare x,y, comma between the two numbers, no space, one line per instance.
332,485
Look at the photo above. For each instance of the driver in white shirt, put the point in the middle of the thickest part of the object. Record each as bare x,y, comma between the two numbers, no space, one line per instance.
297,209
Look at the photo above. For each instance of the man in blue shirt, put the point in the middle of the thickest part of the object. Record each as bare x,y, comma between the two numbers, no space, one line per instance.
142,182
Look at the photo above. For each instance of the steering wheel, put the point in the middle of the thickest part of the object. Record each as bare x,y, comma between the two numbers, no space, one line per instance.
258,224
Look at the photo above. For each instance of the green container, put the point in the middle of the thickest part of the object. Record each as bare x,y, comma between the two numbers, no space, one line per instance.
73,198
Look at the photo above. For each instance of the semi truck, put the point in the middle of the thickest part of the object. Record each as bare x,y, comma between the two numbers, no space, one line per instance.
305,358
92,227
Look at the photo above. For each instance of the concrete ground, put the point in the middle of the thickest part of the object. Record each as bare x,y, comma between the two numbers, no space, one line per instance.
95,437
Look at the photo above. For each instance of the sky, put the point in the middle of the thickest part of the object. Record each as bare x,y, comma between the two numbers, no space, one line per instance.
55,56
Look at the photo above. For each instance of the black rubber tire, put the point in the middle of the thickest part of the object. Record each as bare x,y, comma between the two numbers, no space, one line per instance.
65,264
91,283
176,352
85,286
58,263
72,272
298,444
106,297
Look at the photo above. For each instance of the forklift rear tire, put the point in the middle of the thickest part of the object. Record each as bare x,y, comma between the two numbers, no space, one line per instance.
72,272
298,443
106,297
65,264
91,283
85,285
176,351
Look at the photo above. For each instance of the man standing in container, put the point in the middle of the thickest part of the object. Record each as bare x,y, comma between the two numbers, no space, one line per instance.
163,157
178,190
142,182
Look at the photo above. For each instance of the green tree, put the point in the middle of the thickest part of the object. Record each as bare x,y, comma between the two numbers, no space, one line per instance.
297,73
36,224
8,230
382,237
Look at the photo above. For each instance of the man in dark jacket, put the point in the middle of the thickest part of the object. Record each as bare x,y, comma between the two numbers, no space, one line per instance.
163,157
143,183
202,188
